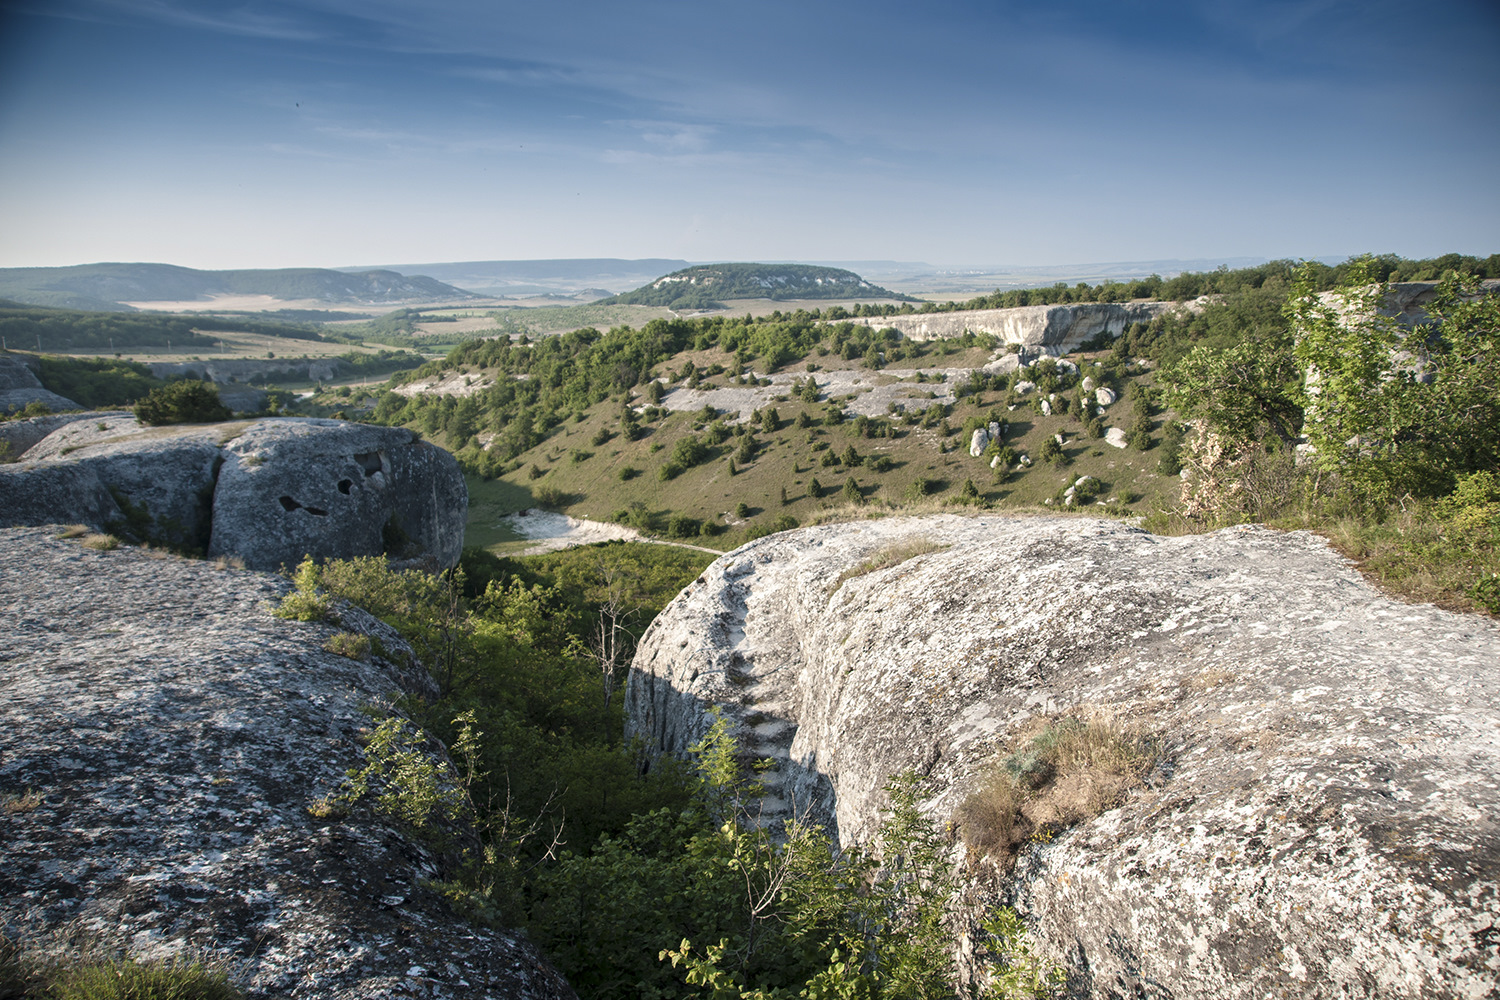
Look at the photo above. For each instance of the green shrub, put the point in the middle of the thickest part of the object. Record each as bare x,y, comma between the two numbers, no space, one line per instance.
350,644
186,402
305,603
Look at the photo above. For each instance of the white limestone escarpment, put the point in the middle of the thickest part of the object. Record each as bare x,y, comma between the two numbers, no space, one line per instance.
266,491
1324,819
162,736
1055,329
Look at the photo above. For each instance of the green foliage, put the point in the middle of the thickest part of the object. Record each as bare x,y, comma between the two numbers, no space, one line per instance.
96,382
409,778
1391,411
186,402
305,603
125,979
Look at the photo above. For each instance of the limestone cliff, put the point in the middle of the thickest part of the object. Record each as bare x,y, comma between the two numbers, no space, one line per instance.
1052,329
1324,815
161,738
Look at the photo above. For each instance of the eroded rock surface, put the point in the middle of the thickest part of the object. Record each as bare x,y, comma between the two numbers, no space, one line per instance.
19,387
1055,329
172,734
1324,819
267,491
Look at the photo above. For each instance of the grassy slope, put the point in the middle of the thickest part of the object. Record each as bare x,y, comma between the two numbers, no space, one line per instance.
791,458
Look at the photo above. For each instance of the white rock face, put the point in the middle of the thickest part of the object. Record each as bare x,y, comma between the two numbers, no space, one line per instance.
1105,396
1024,387
1088,383
1115,436
1057,329
1046,408
978,441
1329,778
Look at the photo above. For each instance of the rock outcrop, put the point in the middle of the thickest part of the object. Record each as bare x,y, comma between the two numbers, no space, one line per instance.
1324,815
1052,329
266,491
162,736
19,387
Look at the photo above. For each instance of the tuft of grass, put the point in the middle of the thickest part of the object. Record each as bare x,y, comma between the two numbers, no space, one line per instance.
75,531
891,555
1068,772
20,802
350,644
29,977
126,979
101,542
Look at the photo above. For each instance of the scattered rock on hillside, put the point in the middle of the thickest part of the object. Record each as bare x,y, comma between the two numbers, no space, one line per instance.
1324,815
161,739
1115,436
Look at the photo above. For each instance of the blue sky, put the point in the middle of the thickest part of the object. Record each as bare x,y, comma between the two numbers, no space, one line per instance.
330,132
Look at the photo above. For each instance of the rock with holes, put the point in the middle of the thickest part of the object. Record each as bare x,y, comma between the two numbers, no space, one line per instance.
330,489
1323,814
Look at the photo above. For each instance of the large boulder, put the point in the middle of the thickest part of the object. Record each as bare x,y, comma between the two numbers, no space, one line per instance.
19,387
19,436
327,488
162,739
268,492
1323,818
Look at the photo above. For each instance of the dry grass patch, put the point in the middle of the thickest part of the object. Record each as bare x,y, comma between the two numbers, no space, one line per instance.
20,802
75,531
101,542
1064,774
892,555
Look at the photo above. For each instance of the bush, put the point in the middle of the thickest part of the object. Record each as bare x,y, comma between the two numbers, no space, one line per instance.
186,402
785,522
129,980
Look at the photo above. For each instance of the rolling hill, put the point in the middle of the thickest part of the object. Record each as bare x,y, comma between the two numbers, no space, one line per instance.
707,286
111,286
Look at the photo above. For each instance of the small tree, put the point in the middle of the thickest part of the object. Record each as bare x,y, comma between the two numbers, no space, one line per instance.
189,401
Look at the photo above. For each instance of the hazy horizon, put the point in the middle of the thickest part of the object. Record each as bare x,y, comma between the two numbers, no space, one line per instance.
316,134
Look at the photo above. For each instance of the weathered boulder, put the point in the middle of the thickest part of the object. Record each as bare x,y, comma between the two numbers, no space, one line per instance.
327,488
1105,396
19,387
19,436
1115,436
46,493
1324,816
978,441
268,491
173,735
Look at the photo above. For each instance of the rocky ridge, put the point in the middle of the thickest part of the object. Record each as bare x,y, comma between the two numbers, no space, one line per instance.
1324,815
161,738
19,387
1055,330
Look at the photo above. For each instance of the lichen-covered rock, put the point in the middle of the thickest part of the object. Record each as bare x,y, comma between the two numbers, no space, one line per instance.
327,488
19,436
267,491
161,739
20,387
1324,819
45,493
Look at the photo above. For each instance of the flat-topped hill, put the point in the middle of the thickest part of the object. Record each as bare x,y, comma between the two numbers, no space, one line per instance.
707,286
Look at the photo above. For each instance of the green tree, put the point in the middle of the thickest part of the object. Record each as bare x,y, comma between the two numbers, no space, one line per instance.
186,402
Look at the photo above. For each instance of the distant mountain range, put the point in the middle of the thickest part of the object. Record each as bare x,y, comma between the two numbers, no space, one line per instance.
110,286
566,277
708,286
